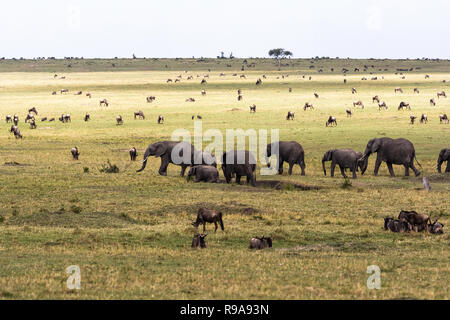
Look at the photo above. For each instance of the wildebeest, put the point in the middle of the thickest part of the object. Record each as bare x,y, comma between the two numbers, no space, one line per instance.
436,227
290,89
258,82
260,243
398,89
8,118
376,98
15,129
396,225
290,115
51,119
199,241
416,90
150,98
29,117
79,93
424,118
44,119
203,92
160,119
88,95
104,102
427,76
358,103
441,94
133,154
253,108
404,105
205,215
33,110
308,105
412,118
353,90
53,93
349,112
16,119
239,97
418,221
203,81
190,100
87,117
443,118
432,102
33,124
382,104
316,95
64,91
119,120
75,153
139,114
331,120
170,80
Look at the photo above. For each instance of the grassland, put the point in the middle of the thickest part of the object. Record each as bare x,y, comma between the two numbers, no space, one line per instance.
130,233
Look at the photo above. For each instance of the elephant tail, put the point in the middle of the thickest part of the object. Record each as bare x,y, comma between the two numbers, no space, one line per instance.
221,221
323,166
417,161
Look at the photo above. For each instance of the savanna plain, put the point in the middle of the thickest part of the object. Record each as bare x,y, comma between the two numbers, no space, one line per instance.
130,233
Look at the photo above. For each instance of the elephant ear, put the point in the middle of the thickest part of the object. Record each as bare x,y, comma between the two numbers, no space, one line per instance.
160,149
376,144
328,155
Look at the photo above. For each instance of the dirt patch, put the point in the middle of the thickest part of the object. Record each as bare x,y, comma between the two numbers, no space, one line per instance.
235,109
444,177
15,164
281,185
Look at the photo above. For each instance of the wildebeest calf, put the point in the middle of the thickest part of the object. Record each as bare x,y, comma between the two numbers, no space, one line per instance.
396,225
199,240
205,215
260,243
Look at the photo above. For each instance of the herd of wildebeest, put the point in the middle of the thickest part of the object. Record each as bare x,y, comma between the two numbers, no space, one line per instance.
239,163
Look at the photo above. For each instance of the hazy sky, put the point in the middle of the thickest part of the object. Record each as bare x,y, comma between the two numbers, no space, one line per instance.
186,28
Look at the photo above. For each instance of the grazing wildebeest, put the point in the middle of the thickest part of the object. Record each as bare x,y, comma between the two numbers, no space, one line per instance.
331,120
427,76
290,89
239,91
412,118
375,98
16,119
199,240
29,117
441,94
33,124
432,102
416,90
15,129
205,215
353,90
51,119
404,105
416,220
44,119
104,102
363,78
8,118
258,82
203,81
79,93
177,80
242,76
199,117
75,153
316,95
190,100
150,98
133,154
64,91
253,108
349,112
308,105
53,93
169,80
424,118
239,97
139,114
203,92
290,115
33,110
260,243
345,80
119,120
443,118
398,89
358,103
382,104
88,95
160,119
87,117
67,118
396,225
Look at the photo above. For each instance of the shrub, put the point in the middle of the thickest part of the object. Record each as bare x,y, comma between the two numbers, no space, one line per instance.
109,168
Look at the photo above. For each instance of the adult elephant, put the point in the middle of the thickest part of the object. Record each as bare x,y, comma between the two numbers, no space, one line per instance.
286,151
239,163
444,155
392,151
344,158
176,152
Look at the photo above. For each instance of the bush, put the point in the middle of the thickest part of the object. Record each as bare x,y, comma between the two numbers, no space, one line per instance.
75,209
109,168
346,184
85,169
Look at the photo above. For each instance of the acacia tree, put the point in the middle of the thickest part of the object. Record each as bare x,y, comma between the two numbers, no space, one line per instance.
279,53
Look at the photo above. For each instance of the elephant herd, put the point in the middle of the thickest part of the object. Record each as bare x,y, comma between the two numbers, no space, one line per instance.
242,163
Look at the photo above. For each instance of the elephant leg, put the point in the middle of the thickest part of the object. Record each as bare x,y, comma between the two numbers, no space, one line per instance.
183,169
377,165
406,170
416,172
447,169
333,165
280,168
302,166
291,165
204,226
343,171
354,169
163,168
391,170
238,179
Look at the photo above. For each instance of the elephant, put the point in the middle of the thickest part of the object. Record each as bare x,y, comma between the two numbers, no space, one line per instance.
392,151
165,150
344,158
444,155
289,151
203,173
239,163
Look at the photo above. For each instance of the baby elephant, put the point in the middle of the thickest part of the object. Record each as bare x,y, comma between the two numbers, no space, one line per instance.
396,225
260,243
133,154
199,240
204,173
344,158
418,221
207,215
75,153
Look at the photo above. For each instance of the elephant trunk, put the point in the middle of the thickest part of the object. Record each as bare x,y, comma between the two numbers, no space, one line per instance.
144,163
363,164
